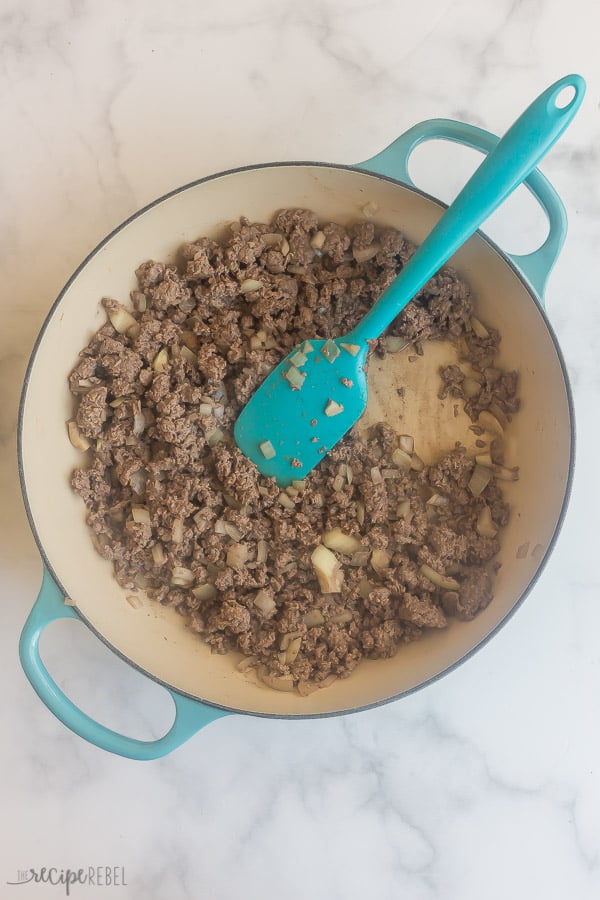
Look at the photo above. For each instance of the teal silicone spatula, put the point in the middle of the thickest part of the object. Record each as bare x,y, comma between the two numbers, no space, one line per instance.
317,393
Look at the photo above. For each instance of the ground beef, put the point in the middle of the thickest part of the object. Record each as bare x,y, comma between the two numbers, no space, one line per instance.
183,514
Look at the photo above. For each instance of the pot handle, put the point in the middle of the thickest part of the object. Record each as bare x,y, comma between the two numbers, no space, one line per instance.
190,715
393,163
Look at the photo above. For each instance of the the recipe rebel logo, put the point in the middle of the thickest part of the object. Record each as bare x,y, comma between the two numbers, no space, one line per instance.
91,876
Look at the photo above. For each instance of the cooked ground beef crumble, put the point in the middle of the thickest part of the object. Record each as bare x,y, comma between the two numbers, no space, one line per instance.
183,514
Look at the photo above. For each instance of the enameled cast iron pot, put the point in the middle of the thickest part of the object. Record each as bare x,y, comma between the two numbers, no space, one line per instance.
154,639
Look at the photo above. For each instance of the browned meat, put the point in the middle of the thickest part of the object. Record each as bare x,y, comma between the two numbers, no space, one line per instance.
182,512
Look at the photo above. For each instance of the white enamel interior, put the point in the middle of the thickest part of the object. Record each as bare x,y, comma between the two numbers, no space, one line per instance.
155,638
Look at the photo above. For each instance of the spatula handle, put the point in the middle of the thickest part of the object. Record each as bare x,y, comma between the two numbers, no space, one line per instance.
507,166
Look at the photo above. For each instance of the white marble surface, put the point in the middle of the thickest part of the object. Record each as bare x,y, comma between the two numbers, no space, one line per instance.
486,785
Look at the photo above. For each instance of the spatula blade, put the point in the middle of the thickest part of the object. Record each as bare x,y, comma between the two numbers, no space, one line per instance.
302,424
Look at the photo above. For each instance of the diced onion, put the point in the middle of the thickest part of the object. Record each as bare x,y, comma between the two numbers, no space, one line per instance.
360,512
380,560
286,501
293,650
330,350
485,525
363,254
442,581
139,423
158,555
249,286
277,682
264,602
161,360
121,320
333,408
313,618
177,531
261,551
140,515
478,328
267,449
75,436
402,458
376,476
214,437
317,240
327,569
205,592
237,556
352,349
480,479
335,539
488,421
181,577
406,442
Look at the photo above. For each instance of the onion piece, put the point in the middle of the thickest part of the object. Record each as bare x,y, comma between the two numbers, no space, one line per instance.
327,569
489,421
261,551
364,254
295,377
479,328
335,539
485,525
406,442
75,436
330,351
333,408
376,476
313,618
161,360
505,474
480,479
250,285
352,349
293,650
139,423
181,576
214,437
140,515
158,554
402,458
205,592
438,500
380,560
338,483
237,556
265,603
403,511
442,581
122,320
177,531
416,463
277,682
286,501
484,459
317,240
360,512
267,449
272,239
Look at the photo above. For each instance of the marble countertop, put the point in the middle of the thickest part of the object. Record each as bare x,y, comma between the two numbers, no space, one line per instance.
486,784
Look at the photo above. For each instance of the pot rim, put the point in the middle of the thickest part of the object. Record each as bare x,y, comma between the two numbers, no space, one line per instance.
533,297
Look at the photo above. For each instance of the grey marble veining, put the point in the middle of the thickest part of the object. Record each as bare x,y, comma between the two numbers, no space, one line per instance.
487,784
